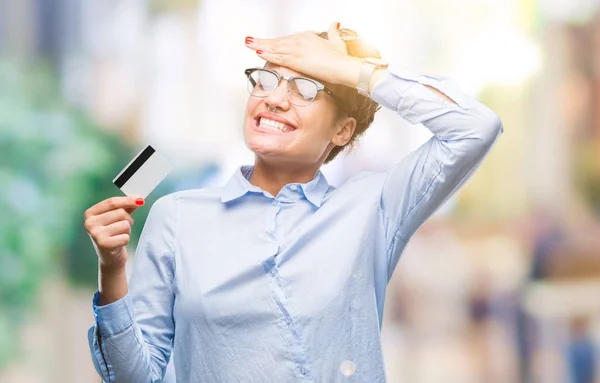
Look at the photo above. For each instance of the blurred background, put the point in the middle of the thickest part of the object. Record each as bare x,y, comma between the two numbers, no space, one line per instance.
501,285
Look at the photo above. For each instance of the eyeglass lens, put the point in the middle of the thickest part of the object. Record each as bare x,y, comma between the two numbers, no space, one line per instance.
301,91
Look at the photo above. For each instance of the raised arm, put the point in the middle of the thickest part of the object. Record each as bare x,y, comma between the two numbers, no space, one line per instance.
132,337
464,131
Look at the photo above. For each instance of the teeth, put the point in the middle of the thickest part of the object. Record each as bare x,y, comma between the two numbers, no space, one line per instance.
275,125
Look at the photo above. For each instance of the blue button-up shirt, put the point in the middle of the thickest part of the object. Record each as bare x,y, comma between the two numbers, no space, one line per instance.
244,286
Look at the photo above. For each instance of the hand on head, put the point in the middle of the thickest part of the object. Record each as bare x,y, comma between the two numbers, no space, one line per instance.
306,53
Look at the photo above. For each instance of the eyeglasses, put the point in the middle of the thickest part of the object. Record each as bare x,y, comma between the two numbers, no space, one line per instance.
301,91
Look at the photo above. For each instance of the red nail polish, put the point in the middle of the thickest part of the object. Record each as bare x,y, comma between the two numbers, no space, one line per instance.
139,201
259,52
249,40
338,26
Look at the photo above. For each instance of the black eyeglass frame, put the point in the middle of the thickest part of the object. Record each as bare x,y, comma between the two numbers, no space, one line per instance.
320,87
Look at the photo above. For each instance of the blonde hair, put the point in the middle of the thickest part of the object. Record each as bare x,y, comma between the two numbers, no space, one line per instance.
359,107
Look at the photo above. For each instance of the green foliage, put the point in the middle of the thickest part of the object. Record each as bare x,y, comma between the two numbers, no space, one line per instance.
54,164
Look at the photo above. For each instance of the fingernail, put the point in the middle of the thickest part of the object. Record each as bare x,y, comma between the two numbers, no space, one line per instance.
337,26
249,40
259,52
139,201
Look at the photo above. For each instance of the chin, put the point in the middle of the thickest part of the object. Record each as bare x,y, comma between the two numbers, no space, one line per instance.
262,144
267,153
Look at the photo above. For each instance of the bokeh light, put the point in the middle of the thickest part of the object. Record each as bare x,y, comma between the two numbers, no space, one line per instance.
347,368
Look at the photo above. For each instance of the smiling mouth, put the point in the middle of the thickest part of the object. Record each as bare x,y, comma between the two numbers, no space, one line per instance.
276,126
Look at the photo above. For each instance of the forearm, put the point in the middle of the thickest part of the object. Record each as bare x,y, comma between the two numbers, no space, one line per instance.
132,337
351,72
112,284
464,131
120,352
456,119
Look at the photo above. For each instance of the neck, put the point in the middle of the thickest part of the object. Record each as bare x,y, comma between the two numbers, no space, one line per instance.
273,178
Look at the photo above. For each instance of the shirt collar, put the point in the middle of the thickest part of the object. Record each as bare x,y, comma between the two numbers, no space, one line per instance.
239,185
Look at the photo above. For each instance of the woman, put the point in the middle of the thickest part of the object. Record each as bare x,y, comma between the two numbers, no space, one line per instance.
277,276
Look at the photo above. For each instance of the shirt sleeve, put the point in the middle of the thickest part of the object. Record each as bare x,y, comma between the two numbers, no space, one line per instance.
463,134
131,338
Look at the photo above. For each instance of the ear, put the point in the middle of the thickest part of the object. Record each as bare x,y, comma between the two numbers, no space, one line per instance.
344,131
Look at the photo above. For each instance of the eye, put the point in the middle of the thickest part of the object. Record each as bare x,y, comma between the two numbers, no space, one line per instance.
262,82
266,80
304,88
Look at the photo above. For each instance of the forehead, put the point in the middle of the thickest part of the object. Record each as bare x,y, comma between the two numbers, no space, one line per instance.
284,71
287,72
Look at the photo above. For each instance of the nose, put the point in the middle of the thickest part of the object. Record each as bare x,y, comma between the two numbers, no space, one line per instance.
279,97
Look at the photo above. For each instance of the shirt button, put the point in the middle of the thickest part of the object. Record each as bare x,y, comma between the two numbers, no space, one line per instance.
302,370
287,321
273,272
274,202
294,187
